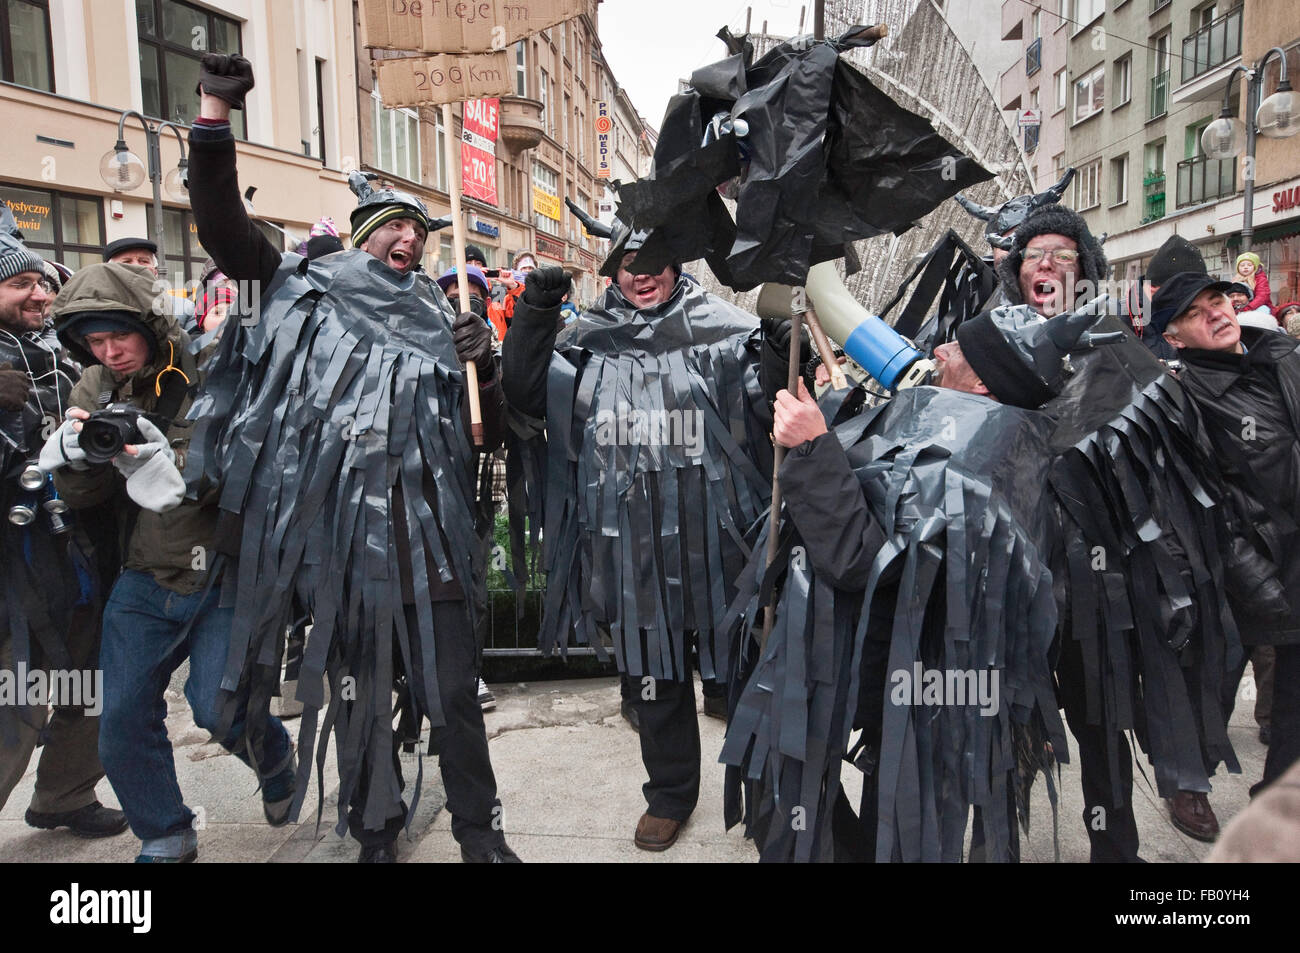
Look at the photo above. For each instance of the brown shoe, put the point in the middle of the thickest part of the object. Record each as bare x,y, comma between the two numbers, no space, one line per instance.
656,833
1192,814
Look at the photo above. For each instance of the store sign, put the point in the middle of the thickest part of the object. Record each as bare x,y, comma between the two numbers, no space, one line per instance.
550,247
546,204
483,228
31,211
1286,199
604,127
1030,117
478,148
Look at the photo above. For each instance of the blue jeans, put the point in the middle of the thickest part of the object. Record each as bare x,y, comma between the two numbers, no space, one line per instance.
142,647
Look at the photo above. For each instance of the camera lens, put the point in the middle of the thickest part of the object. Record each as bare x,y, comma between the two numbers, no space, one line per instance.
102,440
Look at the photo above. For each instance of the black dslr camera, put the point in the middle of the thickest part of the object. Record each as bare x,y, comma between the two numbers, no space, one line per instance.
107,431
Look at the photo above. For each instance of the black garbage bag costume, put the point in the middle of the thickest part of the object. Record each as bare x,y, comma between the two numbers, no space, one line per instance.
1132,541
823,159
335,425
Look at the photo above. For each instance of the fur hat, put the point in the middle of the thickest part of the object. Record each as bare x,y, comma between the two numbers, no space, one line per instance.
1052,220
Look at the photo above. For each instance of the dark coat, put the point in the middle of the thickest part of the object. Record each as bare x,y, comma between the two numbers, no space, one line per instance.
1251,406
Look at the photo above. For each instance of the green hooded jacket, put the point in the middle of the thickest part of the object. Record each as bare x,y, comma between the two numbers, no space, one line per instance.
174,547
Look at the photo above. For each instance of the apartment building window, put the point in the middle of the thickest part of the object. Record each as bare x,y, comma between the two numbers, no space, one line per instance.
1036,23
26,48
174,37
521,69
440,157
1123,80
1153,181
1119,180
397,140
1090,94
565,119
1062,85
546,212
564,42
547,121
1087,187
1085,11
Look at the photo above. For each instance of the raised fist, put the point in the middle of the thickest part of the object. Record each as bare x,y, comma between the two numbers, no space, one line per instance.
229,77
546,287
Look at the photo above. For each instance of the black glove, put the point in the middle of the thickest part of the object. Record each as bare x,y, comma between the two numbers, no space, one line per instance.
228,77
14,388
776,331
546,287
473,342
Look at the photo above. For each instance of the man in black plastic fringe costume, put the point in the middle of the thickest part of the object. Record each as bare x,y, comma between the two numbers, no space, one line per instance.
336,424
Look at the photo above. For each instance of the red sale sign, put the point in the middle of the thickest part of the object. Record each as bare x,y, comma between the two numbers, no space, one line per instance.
478,148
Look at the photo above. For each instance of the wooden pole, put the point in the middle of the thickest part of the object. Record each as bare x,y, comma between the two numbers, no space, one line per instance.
778,457
458,255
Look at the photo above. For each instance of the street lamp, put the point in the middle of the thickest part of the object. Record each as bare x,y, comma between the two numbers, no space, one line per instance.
122,170
1278,117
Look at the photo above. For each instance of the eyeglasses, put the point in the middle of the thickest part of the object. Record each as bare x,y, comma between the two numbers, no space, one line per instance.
1062,256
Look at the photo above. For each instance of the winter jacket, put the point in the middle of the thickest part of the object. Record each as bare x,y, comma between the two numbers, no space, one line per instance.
1263,296
1251,406
174,547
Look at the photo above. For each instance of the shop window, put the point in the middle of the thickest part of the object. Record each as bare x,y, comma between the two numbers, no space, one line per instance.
63,227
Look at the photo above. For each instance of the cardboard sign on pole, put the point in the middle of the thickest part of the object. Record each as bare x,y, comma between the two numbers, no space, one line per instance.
459,26
434,80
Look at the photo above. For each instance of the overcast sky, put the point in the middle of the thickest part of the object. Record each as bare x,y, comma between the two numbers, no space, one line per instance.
650,44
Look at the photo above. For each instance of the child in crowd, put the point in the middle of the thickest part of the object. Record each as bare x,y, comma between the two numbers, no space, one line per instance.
1251,271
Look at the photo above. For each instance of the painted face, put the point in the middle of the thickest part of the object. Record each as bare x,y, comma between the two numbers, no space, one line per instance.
23,302
1048,273
645,291
398,243
122,352
1209,324
137,256
952,370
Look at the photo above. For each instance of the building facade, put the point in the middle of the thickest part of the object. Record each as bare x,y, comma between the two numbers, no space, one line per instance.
70,68
1164,68
1037,81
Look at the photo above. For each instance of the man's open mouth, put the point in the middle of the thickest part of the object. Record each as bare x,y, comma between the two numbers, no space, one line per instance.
400,259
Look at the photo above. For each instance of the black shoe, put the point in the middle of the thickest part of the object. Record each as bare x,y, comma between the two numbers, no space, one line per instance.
93,820
715,706
630,715
497,855
385,853
1265,735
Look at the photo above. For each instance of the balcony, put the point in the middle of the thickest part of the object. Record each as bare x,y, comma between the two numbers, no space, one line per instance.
1202,180
1212,46
1158,5
1158,100
1153,197
521,123
1034,57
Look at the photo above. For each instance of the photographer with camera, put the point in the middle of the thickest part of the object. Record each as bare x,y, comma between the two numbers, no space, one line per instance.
139,381
49,598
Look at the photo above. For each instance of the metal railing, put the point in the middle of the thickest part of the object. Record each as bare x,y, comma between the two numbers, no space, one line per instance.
1158,100
1034,57
1212,45
1157,5
1202,180
1153,198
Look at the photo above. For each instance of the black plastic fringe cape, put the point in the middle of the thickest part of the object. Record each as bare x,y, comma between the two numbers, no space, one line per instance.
329,419
1144,535
646,516
962,585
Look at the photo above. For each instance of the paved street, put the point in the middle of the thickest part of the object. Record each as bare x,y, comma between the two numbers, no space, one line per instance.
570,776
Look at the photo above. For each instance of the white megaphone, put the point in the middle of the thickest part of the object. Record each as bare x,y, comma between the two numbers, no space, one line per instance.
880,350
